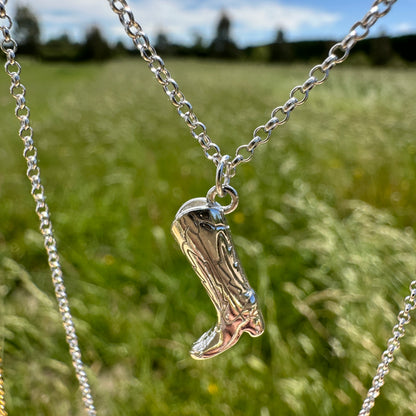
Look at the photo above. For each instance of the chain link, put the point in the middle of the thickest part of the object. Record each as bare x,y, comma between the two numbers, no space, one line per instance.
3,411
164,78
279,116
317,76
226,167
393,344
18,91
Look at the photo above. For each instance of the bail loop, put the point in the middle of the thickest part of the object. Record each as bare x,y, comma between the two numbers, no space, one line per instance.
227,189
222,177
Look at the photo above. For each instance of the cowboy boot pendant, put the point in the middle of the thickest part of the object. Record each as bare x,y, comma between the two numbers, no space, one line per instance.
202,232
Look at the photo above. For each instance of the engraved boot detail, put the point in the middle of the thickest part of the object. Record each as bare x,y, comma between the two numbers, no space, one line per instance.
204,236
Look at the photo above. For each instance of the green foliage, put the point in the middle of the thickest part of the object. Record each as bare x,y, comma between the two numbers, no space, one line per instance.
95,46
61,49
27,30
325,231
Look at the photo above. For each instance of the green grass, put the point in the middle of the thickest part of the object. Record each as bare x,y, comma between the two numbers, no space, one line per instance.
325,231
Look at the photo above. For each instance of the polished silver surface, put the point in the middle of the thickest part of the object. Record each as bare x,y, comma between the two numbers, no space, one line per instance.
221,177
226,190
204,236
200,226
3,411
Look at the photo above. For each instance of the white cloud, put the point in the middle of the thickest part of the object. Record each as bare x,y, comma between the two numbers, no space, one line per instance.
404,27
260,18
177,19
72,17
273,15
256,21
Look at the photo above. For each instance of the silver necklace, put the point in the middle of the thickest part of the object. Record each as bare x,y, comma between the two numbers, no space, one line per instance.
200,226
18,91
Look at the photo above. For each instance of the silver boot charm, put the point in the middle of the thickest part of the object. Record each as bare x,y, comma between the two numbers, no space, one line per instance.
204,236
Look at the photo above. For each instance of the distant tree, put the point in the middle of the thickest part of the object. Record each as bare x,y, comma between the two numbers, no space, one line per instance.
381,51
280,50
120,49
60,49
223,46
280,37
198,48
405,47
27,31
162,44
198,41
95,46
223,28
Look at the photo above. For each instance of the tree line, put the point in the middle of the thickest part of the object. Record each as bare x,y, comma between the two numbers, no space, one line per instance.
381,50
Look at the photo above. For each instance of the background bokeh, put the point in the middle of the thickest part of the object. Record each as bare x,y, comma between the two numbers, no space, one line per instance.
324,230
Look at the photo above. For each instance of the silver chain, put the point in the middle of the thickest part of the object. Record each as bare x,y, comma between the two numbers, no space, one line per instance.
261,134
3,411
393,344
279,116
337,54
18,91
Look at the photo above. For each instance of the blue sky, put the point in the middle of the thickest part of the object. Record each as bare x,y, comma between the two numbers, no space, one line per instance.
253,21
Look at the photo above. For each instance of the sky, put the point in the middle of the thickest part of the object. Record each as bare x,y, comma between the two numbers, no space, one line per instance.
254,22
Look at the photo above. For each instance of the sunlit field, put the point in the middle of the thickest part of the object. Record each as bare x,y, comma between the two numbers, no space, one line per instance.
325,231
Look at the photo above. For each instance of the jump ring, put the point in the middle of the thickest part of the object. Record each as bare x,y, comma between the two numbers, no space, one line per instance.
227,189
221,175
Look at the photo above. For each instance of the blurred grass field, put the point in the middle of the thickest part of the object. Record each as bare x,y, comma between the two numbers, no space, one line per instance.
325,231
